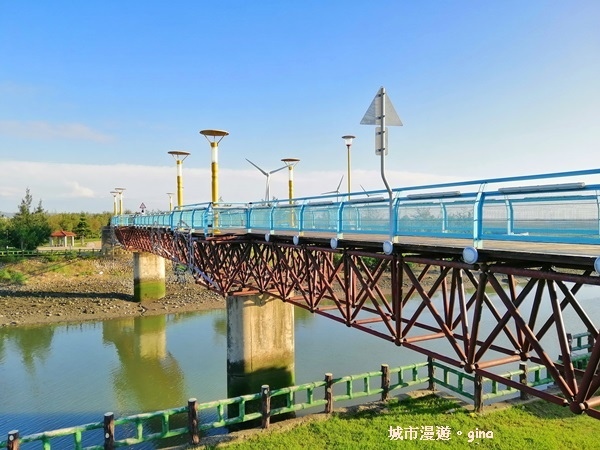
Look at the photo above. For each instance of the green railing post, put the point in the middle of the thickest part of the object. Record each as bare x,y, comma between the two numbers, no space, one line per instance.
431,373
109,431
193,421
523,380
385,382
13,440
328,393
478,393
265,397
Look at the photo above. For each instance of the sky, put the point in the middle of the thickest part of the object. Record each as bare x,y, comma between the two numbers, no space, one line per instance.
94,94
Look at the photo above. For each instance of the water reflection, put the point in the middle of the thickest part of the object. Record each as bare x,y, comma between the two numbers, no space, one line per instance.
145,364
31,346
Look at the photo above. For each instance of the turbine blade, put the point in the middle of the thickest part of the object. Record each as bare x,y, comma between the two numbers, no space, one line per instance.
277,170
341,179
263,172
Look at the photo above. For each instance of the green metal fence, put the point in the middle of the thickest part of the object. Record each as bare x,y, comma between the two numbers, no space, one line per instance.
33,253
136,429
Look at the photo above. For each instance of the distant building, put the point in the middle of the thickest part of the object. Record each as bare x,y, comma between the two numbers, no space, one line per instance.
61,238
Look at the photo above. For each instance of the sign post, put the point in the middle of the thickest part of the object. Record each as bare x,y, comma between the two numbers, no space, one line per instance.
381,112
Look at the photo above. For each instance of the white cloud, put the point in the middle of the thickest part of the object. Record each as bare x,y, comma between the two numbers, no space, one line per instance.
84,187
78,191
48,131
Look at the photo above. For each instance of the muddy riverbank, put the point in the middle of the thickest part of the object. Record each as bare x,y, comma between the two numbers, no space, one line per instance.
95,289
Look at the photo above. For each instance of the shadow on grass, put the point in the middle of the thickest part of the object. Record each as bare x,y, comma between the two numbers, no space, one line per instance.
424,405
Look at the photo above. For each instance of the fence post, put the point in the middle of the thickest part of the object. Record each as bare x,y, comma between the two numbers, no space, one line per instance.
591,342
13,440
193,421
328,393
431,373
478,393
385,382
523,380
265,394
109,431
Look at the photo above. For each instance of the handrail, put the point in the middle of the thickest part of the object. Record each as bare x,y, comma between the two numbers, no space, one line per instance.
555,213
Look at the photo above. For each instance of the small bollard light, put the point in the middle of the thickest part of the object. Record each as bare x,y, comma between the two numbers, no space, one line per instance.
334,243
470,255
597,265
388,247
267,237
296,240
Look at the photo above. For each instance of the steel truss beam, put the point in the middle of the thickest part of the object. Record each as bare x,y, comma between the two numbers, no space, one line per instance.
487,315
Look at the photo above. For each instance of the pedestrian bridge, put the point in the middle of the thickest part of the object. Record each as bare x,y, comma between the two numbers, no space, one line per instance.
496,271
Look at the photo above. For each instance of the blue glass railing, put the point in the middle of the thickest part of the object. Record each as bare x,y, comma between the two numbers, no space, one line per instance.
511,209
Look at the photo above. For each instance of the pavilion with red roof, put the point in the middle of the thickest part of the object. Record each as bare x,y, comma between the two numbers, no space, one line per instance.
62,238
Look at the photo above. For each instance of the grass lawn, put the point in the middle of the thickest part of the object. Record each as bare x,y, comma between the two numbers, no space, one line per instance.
432,422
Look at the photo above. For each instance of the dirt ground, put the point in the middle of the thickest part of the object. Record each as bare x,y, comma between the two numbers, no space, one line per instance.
91,290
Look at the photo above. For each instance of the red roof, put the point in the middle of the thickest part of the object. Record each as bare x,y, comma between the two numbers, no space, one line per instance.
62,233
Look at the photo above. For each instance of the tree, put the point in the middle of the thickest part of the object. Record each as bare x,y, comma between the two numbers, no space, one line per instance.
28,229
4,222
82,229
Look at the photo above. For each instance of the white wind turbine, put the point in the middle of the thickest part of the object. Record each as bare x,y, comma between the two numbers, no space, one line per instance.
337,191
268,175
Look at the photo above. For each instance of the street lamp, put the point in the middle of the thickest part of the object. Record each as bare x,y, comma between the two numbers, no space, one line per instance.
211,136
179,156
290,163
170,194
114,194
120,192
348,140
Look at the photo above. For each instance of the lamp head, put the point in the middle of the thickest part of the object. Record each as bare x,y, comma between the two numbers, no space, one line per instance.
290,162
179,155
348,139
212,135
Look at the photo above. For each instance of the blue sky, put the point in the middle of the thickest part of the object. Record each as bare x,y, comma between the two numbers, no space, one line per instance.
93,94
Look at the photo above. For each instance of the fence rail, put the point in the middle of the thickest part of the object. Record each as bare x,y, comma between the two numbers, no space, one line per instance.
490,209
32,253
202,417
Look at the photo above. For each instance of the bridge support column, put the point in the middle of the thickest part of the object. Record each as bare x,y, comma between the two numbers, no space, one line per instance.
148,277
260,344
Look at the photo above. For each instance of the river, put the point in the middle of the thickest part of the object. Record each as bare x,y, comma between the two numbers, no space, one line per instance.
64,375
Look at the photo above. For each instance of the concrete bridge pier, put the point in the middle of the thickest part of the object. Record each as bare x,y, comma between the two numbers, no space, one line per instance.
148,277
260,344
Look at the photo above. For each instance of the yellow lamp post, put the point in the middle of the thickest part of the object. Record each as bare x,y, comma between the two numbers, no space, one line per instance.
115,208
179,156
290,163
120,191
214,137
170,194
348,140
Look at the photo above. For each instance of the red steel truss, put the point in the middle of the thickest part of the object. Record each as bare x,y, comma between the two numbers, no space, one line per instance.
507,308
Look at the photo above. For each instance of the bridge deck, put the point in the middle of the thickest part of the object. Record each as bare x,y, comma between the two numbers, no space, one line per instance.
559,254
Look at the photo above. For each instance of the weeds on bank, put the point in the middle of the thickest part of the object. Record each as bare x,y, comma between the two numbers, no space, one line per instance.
426,422
70,265
9,276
